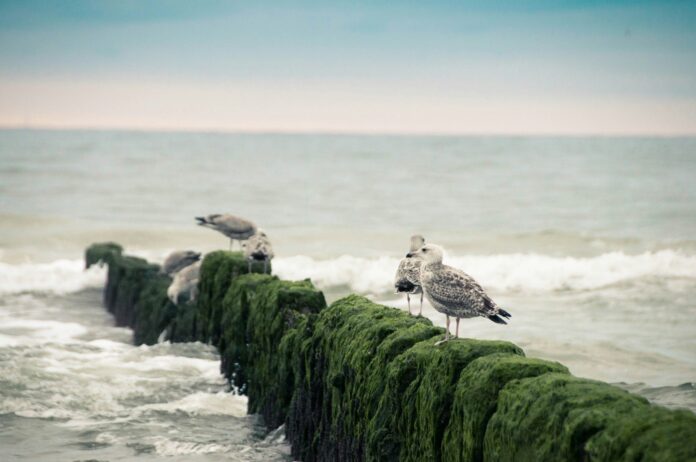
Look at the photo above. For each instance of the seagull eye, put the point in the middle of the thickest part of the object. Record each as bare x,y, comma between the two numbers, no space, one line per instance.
425,250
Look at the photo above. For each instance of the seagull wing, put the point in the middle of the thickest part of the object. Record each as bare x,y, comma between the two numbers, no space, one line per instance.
456,289
233,224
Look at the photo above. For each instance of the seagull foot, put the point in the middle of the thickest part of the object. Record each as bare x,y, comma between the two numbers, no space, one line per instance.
441,341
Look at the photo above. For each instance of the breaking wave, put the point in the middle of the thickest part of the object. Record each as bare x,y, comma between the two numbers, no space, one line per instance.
507,272
514,272
57,277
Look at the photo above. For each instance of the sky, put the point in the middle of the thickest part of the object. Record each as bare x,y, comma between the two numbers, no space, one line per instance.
454,67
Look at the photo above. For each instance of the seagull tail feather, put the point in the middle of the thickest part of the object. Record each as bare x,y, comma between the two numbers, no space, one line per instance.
496,319
201,220
404,287
504,313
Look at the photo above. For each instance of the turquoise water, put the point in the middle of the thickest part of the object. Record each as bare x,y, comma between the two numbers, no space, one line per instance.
589,243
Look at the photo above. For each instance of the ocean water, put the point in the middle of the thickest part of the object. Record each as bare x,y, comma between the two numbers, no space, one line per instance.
589,242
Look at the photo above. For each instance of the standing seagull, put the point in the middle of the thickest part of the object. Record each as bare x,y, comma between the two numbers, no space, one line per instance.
185,283
258,247
237,229
176,261
407,278
452,291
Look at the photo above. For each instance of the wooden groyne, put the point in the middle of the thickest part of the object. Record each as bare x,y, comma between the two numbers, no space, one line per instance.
359,381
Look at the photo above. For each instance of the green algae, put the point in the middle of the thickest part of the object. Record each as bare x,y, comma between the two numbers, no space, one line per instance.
127,277
275,309
218,270
363,338
373,386
553,416
233,324
418,398
649,433
182,327
476,399
361,381
246,316
154,311
103,253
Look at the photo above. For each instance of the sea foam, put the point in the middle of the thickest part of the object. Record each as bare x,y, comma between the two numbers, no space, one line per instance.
507,272
57,277
514,272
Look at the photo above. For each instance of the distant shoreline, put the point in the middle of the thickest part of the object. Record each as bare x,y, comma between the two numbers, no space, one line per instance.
337,133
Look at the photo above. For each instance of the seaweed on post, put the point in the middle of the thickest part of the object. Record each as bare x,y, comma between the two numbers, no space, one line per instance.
103,253
361,381
154,311
417,401
476,399
218,270
275,308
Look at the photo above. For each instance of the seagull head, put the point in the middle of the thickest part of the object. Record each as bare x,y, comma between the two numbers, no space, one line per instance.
417,241
429,253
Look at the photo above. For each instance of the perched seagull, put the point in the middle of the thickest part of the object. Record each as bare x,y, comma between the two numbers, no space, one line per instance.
258,248
236,228
185,283
407,278
452,291
176,261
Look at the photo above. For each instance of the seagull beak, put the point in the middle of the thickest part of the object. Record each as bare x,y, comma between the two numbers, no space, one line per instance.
409,255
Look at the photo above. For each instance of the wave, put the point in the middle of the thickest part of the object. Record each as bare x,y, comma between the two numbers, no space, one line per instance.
514,272
202,403
58,277
167,447
507,272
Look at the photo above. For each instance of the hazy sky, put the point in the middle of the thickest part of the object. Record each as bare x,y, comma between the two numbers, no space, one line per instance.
606,67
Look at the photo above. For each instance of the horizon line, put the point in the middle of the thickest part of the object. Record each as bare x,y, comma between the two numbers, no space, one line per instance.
333,132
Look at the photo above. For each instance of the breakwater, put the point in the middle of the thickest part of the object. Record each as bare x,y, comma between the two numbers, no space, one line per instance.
359,381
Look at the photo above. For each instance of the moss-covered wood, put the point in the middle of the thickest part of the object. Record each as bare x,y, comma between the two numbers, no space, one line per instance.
561,417
154,311
359,381
218,271
102,254
475,400
418,399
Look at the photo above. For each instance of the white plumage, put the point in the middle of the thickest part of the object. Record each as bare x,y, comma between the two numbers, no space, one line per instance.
407,277
176,261
236,228
258,248
185,283
452,291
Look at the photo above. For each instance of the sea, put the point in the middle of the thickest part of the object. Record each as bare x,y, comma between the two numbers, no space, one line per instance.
590,243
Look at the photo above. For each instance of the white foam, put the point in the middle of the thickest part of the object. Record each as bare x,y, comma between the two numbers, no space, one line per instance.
201,403
58,277
41,331
507,272
167,447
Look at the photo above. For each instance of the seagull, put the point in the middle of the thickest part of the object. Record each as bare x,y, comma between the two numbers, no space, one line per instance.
407,278
236,228
176,261
185,282
453,292
258,247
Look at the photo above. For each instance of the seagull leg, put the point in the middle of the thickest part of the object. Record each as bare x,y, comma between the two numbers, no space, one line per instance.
457,334
420,312
408,297
447,337
249,266
230,245
265,266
